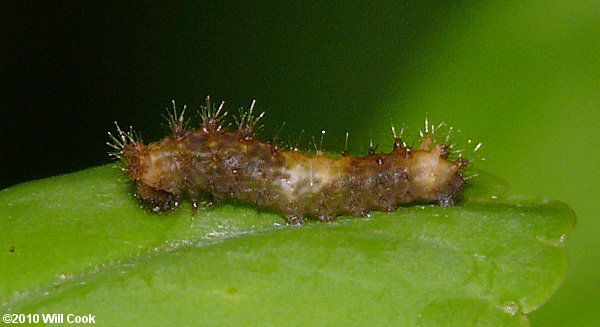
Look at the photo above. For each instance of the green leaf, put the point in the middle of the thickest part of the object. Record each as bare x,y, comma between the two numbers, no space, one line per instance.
79,243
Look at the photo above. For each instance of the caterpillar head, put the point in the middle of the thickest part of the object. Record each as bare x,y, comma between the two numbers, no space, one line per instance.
153,171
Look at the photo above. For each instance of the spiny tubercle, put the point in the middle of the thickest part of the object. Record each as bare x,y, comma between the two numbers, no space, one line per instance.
224,164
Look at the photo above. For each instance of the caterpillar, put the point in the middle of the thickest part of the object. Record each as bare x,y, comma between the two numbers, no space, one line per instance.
220,163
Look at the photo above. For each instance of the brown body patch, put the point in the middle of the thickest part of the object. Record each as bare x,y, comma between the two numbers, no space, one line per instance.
231,164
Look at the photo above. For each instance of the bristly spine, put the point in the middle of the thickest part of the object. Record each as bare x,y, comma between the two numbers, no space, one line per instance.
211,116
178,124
221,163
122,140
248,122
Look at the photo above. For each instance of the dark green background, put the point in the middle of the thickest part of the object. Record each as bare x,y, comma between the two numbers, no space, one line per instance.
523,77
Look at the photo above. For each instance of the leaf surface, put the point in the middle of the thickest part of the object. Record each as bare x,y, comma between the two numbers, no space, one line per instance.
80,243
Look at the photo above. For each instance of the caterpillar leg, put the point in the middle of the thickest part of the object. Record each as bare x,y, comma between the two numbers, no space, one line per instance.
447,197
208,200
447,201
360,212
326,218
294,219
157,200
212,200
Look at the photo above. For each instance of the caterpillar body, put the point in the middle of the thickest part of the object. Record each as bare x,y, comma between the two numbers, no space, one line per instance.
221,163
